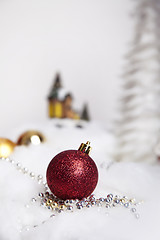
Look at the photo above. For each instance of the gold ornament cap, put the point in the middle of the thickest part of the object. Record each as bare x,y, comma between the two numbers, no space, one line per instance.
6,147
31,137
85,147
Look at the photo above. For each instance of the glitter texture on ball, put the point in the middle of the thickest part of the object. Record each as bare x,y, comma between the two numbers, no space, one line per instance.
72,174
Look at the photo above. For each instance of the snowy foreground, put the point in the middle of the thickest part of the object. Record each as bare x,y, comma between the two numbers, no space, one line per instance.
134,180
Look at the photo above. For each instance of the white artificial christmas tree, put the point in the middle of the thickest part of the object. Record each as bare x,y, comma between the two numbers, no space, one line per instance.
138,127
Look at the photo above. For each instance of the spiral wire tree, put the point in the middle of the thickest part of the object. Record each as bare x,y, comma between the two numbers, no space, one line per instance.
137,129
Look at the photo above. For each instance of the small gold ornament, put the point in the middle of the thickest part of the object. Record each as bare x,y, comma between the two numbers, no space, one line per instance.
6,147
31,137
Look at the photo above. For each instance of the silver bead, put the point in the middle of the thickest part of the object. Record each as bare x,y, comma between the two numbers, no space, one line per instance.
60,202
78,203
46,194
32,175
79,207
108,206
45,184
117,196
84,199
18,166
41,195
93,202
83,203
59,210
110,196
12,161
25,170
33,200
46,189
133,209
40,181
66,202
42,204
70,208
116,201
26,228
137,215
39,177
132,200
98,203
92,197
71,201
126,205
101,199
108,200
139,203
45,200
27,205
88,205
124,197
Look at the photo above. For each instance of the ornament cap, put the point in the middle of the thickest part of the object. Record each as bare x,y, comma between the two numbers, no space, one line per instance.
85,147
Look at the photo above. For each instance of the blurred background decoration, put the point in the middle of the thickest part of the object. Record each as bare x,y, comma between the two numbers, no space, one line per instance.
83,40
85,113
6,147
31,137
60,101
138,127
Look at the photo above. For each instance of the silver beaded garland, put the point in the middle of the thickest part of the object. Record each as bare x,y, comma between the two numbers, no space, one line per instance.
50,201
55,205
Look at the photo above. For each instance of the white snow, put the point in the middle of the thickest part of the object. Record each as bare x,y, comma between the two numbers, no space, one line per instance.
134,180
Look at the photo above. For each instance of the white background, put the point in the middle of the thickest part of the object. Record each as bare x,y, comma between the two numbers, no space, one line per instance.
84,40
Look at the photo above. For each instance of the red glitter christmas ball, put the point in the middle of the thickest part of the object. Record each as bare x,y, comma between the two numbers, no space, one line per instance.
72,174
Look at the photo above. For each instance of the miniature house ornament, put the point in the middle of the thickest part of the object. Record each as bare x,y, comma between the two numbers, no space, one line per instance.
60,102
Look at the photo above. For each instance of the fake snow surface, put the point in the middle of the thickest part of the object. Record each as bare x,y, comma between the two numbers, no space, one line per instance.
134,180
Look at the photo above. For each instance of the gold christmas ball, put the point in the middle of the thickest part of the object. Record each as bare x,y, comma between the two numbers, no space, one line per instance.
6,147
31,137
